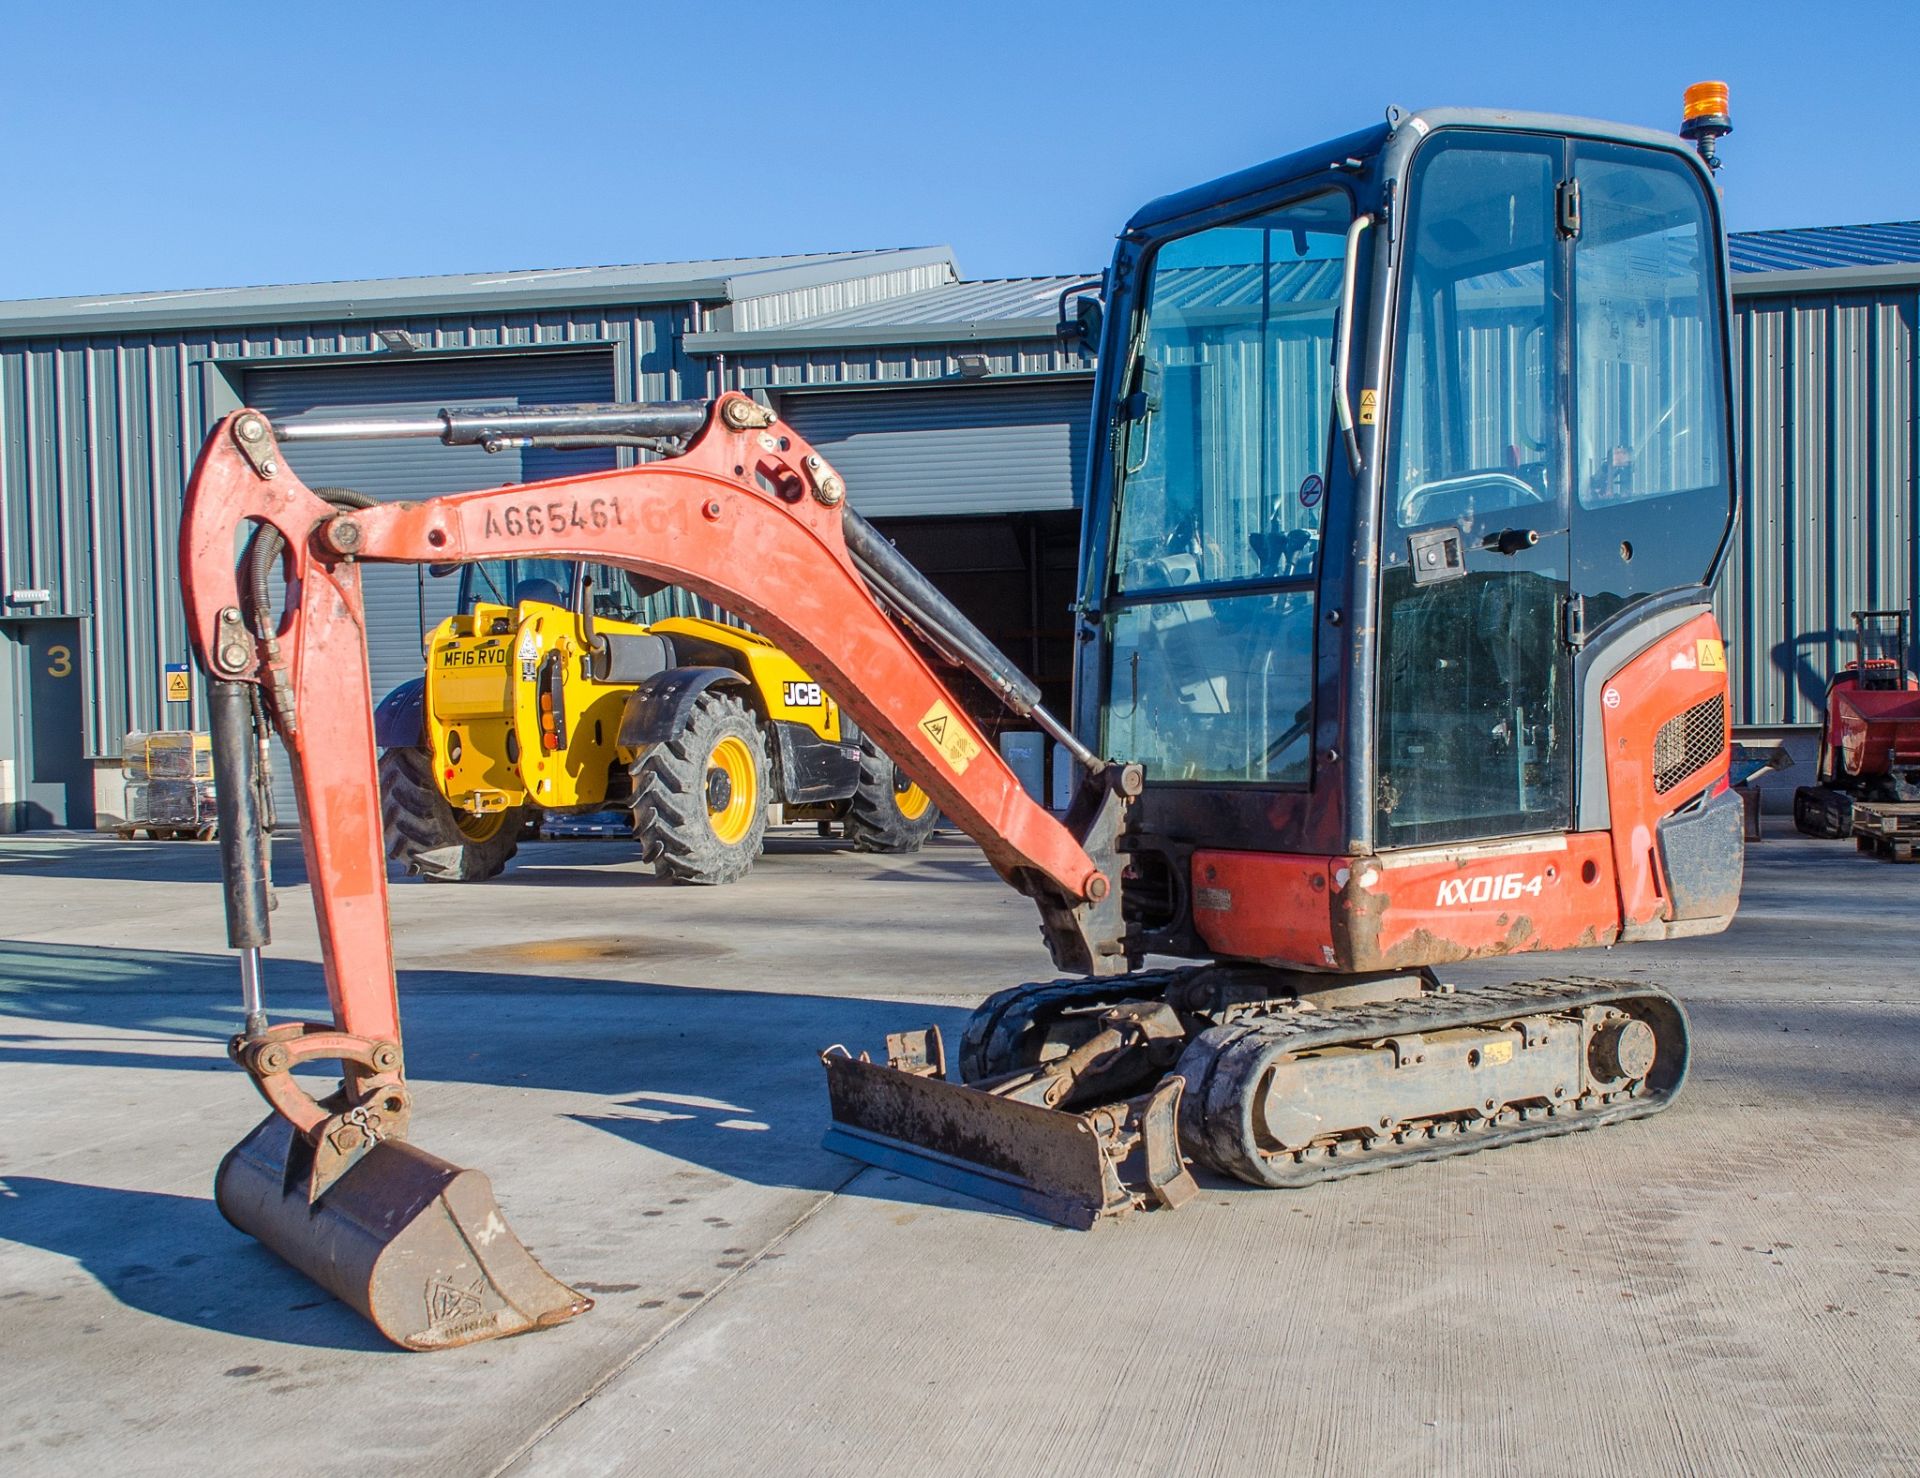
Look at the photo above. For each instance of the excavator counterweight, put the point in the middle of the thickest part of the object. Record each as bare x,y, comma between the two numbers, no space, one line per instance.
1411,476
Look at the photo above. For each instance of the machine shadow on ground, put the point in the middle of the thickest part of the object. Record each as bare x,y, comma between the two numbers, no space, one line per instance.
91,857
727,1081
175,1257
568,862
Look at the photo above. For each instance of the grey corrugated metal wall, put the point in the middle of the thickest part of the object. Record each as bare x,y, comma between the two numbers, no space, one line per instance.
1825,391
390,470
98,435
954,449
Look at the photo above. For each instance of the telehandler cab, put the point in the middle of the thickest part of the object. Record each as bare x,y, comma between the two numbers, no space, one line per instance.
1412,472
546,694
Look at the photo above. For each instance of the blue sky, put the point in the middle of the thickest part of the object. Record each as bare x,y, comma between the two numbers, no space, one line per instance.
198,144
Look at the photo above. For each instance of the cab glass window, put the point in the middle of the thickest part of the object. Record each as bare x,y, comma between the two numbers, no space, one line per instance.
1650,468
1475,738
1225,429
510,581
1475,418
1224,425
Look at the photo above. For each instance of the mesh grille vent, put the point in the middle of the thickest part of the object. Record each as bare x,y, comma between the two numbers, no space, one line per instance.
1688,742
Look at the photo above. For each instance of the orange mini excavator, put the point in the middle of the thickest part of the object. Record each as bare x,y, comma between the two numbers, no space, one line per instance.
1412,472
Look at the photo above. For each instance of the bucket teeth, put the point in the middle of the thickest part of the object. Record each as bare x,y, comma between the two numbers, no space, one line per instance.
416,1244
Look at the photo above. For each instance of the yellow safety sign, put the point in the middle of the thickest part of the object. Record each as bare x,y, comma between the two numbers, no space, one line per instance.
1369,406
950,737
178,690
1710,654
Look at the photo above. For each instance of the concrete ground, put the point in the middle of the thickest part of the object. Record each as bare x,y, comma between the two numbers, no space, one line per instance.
1731,1287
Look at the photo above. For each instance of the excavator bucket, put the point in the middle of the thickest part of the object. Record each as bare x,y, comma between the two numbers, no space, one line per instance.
414,1243
1066,1167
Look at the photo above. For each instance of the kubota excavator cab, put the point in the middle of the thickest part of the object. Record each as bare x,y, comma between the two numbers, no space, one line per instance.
1416,441
1412,473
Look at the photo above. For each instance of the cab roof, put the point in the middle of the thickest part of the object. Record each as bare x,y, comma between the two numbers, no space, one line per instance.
1367,142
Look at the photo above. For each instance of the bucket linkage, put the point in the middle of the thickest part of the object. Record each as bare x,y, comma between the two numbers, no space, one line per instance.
416,1244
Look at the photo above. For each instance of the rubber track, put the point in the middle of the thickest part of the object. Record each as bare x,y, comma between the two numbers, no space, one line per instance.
990,1045
1224,1064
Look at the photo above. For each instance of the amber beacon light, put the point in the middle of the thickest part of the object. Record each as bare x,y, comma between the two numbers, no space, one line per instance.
1706,118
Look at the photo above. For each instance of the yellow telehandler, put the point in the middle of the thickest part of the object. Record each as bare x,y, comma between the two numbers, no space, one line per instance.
545,693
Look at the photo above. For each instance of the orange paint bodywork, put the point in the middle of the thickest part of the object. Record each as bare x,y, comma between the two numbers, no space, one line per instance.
1435,905
1662,682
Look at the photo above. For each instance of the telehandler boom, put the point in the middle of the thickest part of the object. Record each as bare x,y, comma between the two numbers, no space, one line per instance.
1412,474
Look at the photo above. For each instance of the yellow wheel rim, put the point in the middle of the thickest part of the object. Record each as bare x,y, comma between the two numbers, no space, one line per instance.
479,828
732,790
913,801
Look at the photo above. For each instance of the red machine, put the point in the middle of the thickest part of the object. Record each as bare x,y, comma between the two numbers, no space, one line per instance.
1396,650
1869,766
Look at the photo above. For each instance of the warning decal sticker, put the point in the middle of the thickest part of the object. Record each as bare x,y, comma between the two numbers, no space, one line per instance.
1369,406
1712,655
949,735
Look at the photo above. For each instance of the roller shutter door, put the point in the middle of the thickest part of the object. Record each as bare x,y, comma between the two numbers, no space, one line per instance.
403,602
983,448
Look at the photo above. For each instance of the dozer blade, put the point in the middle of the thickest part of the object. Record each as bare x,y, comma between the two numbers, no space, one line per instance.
414,1243
1070,1168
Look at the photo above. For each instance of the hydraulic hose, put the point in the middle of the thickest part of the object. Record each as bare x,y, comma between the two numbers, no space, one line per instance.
263,553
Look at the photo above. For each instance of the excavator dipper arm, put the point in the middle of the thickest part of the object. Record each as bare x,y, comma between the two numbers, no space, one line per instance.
748,516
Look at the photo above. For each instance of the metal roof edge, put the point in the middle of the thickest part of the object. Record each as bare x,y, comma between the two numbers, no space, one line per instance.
392,298
1824,279
803,336
776,280
169,312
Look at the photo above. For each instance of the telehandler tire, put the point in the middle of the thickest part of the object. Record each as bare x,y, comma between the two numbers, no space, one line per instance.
431,839
700,798
888,813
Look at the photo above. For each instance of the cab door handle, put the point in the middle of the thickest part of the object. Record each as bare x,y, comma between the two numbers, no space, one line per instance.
1511,541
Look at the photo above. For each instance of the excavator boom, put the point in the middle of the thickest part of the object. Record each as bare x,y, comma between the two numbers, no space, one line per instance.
747,515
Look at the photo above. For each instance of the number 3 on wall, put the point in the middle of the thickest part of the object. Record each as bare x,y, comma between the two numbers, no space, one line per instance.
59,661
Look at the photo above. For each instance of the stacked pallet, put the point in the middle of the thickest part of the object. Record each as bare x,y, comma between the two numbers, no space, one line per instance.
169,776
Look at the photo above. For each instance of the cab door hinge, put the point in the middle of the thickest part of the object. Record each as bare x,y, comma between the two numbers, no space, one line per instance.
1573,625
1566,208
